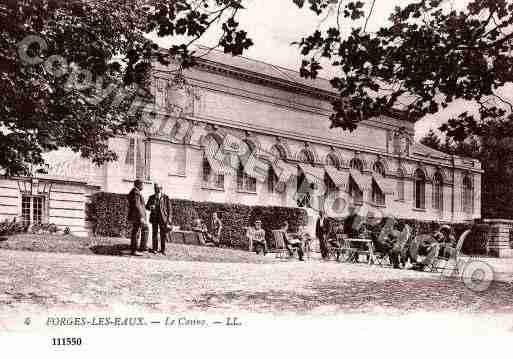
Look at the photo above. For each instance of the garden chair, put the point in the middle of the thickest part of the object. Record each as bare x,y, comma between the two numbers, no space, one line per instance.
441,263
280,247
307,245
342,251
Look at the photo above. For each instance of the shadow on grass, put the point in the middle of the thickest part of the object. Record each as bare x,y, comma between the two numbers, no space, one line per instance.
111,250
395,296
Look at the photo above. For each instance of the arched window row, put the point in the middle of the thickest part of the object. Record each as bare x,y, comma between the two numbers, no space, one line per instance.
306,156
356,164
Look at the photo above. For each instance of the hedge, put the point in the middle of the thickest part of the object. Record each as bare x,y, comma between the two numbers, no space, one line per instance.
107,213
475,243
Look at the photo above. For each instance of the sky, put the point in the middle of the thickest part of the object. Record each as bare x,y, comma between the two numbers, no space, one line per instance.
274,24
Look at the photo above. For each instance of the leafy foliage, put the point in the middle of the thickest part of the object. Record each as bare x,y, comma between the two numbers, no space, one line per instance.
427,56
93,84
432,140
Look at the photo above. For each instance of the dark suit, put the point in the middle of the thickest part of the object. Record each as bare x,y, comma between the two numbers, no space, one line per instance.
160,219
137,216
321,232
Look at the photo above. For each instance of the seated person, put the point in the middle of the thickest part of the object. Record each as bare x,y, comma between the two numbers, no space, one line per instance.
441,243
201,230
292,242
217,227
447,242
386,243
258,234
305,237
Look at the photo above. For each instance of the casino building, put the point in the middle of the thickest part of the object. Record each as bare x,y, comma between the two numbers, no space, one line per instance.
252,113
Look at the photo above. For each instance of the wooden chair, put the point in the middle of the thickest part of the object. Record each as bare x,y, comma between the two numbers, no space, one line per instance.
342,251
307,245
441,263
280,247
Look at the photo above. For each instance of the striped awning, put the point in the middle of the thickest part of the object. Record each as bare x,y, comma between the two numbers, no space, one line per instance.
219,161
255,167
283,170
385,186
363,182
312,174
339,178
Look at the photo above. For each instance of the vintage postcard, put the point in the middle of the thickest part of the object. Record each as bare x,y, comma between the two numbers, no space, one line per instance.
306,177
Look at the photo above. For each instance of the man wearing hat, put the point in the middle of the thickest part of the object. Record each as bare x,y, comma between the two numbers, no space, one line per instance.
447,242
441,243
388,243
160,209
137,217
259,238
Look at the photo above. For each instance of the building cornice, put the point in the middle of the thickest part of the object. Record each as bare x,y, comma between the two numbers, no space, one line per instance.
339,145
384,122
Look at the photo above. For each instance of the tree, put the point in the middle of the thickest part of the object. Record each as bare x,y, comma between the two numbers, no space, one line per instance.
432,140
74,73
426,57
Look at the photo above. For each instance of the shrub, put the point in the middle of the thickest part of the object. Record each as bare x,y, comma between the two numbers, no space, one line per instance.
43,228
108,212
8,228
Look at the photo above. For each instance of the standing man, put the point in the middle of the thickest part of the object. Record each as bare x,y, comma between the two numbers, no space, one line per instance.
137,216
321,232
160,209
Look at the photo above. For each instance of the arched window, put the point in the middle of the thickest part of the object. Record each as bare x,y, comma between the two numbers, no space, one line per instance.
356,164
438,192
379,169
245,183
271,180
378,197
306,156
419,189
211,178
468,195
332,160
400,184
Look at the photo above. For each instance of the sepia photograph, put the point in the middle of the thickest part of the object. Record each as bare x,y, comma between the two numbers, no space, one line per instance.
302,177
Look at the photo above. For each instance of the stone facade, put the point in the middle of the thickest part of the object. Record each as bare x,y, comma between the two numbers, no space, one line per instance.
246,107
500,237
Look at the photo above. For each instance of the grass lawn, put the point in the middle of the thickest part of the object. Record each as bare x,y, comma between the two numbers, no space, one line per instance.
121,247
